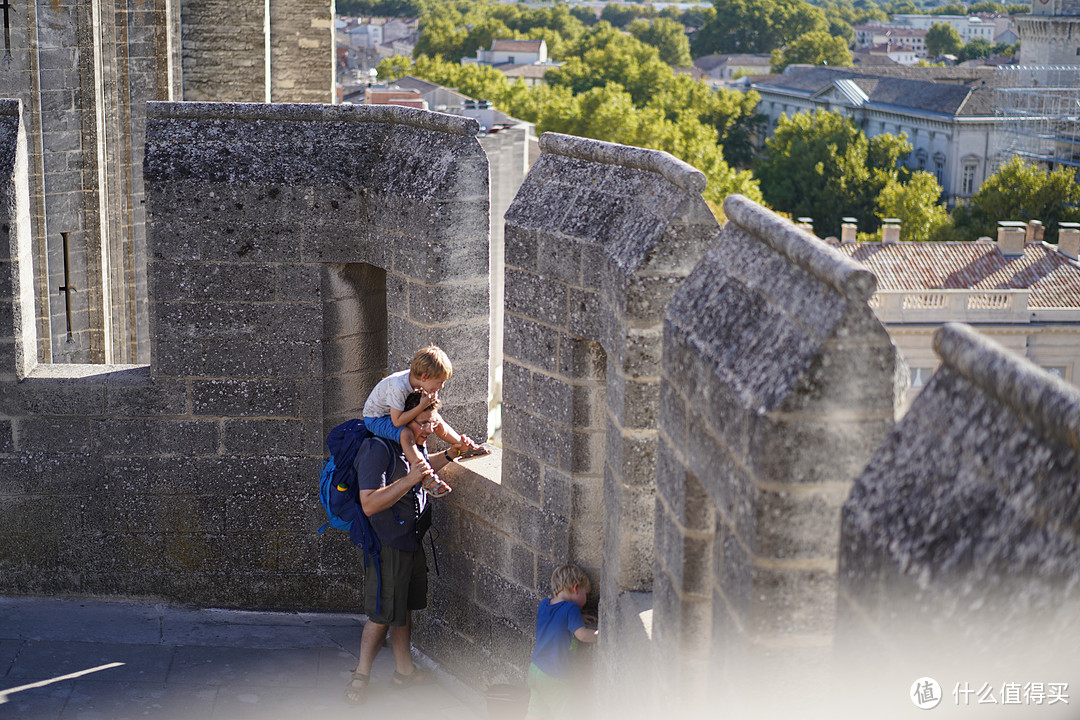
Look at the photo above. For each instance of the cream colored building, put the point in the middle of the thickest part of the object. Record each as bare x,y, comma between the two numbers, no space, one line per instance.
1024,295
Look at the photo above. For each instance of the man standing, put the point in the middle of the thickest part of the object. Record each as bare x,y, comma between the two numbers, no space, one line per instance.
392,497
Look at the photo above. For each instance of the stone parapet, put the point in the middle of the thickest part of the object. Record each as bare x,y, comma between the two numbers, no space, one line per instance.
296,255
598,239
776,385
963,521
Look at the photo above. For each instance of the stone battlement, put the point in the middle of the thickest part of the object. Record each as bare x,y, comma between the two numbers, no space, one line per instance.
702,417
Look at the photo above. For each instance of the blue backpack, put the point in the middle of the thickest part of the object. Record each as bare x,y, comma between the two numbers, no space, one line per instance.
338,493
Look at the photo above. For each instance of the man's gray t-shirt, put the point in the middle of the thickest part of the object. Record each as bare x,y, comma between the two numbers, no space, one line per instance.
396,526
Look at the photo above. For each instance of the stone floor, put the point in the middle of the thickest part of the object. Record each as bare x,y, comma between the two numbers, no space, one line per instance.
84,660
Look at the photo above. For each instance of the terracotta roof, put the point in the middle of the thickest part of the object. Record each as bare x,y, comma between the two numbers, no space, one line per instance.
1053,279
515,45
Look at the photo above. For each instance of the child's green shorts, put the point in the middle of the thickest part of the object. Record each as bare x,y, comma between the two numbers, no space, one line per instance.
549,697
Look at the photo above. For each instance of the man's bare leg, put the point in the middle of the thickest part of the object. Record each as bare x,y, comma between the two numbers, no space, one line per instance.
401,644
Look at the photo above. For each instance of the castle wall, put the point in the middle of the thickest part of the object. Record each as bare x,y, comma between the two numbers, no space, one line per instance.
296,253
597,240
258,50
83,71
963,523
777,384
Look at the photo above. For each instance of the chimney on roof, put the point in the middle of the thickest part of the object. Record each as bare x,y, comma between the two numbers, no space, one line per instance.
806,224
1034,231
890,231
1010,240
1069,240
849,230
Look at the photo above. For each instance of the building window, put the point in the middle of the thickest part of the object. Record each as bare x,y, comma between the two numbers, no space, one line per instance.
920,376
1057,371
968,185
939,170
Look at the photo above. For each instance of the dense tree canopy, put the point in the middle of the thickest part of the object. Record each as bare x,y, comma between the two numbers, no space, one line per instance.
667,36
823,166
943,39
1020,191
757,26
915,204
813,48
670,112
380,8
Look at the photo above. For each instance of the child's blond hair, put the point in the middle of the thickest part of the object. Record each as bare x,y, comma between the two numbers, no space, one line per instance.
432,362
566,577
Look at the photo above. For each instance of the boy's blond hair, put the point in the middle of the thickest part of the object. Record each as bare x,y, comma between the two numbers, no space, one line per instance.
566,577
432,362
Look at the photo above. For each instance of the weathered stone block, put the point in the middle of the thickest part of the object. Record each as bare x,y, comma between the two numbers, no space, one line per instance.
531,343
244,398
251,437
53,434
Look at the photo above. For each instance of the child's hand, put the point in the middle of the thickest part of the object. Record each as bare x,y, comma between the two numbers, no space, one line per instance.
590,619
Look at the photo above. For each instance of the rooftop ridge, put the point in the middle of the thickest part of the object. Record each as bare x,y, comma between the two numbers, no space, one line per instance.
424,119
811,254
1049,402
670,167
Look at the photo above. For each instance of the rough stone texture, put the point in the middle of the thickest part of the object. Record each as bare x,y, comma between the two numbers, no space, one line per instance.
194,478
965,519
777,383
598,239
225,45
84,72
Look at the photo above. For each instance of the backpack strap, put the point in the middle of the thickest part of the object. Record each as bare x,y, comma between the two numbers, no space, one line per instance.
376,561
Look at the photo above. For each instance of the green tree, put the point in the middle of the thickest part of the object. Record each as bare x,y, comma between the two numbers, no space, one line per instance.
620,15
380,8
949,9
1018,9
813,48
977,48
1022,191
986,7
667,36
943,39
915,203
392,68
605,55
756,26
823,166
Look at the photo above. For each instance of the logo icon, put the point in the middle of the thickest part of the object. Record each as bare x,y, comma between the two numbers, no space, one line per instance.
925,693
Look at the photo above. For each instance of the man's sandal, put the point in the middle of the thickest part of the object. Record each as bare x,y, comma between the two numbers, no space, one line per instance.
355,693
472,452
419,676
436,486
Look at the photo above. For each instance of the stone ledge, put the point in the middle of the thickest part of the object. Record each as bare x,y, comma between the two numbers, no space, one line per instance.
803,249
480,468
670,167
1049,402
104,373
425,119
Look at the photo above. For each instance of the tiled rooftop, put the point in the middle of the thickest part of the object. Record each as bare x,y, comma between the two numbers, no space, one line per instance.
1054,280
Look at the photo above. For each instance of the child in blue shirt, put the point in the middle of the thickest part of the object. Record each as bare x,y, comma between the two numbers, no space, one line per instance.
558,624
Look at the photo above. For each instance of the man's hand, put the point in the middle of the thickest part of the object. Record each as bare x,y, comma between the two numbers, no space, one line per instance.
418,471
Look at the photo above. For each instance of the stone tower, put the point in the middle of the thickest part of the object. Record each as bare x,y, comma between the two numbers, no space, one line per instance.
1050,35
84,70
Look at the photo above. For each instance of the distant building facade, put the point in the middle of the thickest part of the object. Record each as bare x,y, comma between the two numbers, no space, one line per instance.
729,67
1023,293
949,124
1050,35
